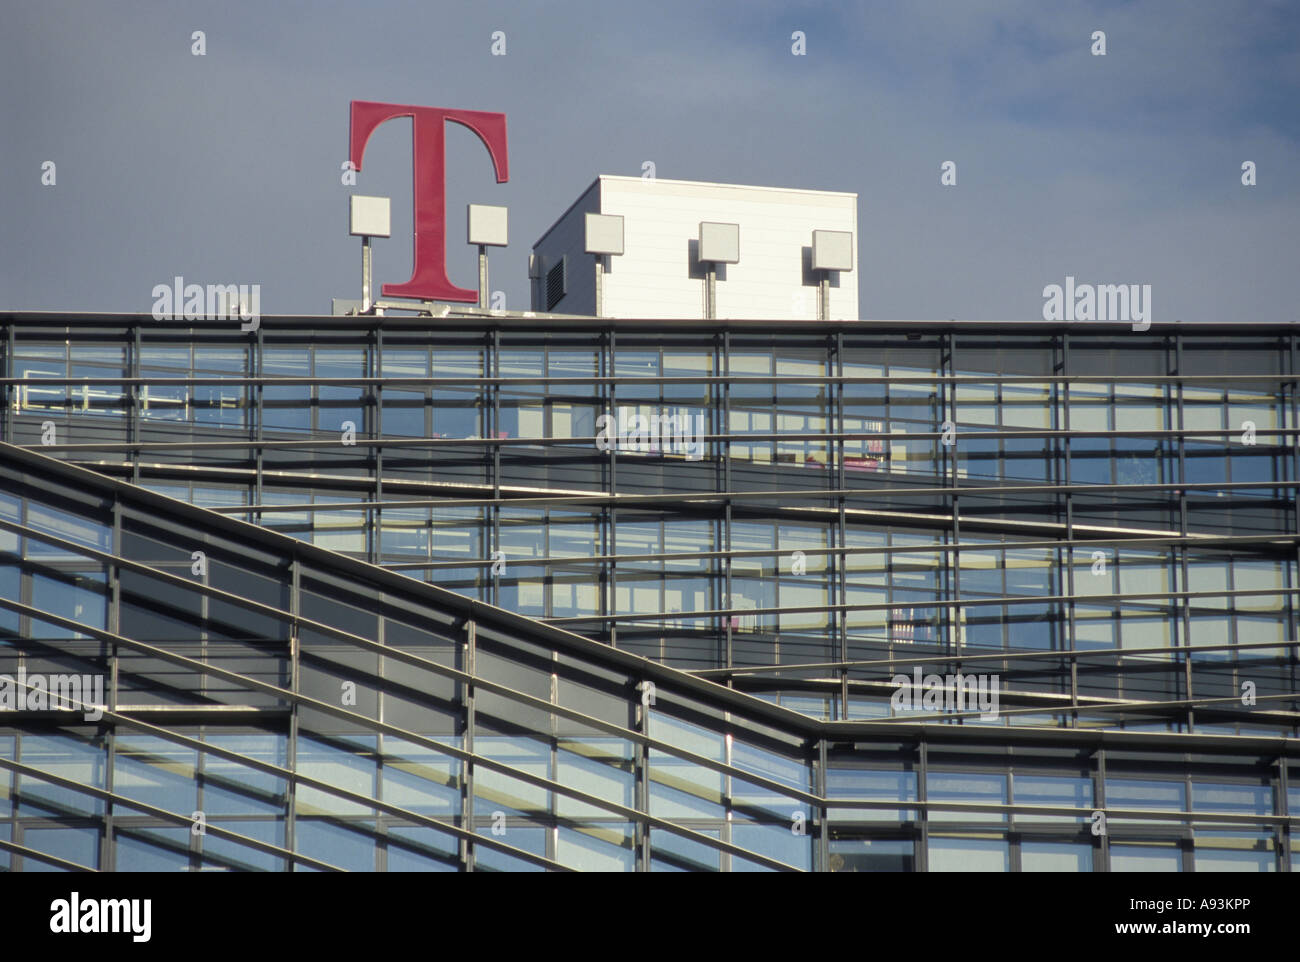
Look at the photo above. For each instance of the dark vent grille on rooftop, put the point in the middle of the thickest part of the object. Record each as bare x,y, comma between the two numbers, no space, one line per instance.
555,285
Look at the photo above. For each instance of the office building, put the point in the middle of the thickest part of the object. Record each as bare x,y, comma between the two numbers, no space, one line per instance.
374,593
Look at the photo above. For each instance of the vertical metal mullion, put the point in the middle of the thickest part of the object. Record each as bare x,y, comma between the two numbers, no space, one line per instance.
291,750
823,813
1185,605
775,397
1286,835
724,362
1016,862
611,580
544,514
12,391
492,364
133,422
923,812
728,802
256,414
200,799
467,816
1294,441
838,573
641,786
953,615
1116,620
381,819
887,425
1067,554
493,367
553,769
258,370
108,849
375,525
115,599
1099,804
661,525
426,414
133,388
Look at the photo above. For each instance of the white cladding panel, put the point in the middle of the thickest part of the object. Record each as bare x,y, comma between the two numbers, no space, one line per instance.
832,250
604,234
488,226
659,274
369,216
719,243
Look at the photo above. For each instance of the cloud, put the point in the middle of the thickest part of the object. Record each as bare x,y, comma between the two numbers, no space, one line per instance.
225,168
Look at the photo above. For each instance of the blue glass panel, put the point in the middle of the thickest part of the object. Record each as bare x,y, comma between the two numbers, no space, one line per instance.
224,854
79,845
527,838
673,853
774,841
1055,856
152,849
422,849
66,757
347,845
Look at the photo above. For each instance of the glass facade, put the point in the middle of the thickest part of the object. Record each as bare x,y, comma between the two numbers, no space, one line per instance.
465,630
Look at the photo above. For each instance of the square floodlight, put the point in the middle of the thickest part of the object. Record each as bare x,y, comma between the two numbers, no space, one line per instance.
604,233
720,243
832,250
368,216
487,225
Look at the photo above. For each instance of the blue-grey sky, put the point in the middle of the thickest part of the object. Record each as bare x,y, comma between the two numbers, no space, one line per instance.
225,168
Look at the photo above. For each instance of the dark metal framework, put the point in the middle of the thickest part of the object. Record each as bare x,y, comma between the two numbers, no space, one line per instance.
870,499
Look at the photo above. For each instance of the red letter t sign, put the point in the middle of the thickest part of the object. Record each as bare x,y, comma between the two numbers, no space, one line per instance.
429,279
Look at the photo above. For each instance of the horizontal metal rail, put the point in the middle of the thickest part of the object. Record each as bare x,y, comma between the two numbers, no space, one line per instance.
625,449
1282,542
831,802
586,720
967,654
397,654
1137,707
1009,600
176,818
385,728
510,380
795,723
54,860
122,719
818,514
786,494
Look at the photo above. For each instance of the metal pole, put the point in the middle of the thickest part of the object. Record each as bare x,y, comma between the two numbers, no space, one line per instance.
365,273
824,297
711,293
482,277
600,285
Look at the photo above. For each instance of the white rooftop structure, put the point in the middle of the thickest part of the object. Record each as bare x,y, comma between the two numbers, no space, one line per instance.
659,273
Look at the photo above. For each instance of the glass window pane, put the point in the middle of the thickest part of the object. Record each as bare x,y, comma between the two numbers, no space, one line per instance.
1229,851
1145,857
849,854
79,845
347,845
1055,857
970,853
